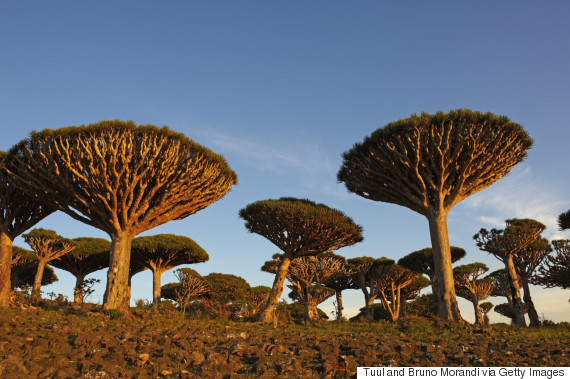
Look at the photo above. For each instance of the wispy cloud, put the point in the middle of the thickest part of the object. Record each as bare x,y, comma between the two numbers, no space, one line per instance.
521,195
304,159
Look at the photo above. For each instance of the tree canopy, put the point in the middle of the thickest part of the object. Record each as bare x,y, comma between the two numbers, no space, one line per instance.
24,269
555,270
120,178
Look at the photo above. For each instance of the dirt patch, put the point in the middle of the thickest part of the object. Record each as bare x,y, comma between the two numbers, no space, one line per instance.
61,344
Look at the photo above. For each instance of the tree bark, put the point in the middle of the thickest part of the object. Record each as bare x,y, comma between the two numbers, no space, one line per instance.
117,294
534,320
268,313
38,279
518,308
339,307
368,307
477,309
5,267
156,274
78,290
311,312
447,307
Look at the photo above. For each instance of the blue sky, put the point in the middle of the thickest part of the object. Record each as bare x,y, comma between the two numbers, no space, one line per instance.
281,89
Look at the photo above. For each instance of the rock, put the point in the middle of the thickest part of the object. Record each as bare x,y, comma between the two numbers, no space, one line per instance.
142,359
12,367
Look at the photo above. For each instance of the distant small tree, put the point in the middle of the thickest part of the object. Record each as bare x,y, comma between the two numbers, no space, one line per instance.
89,255
429,163
298,227
555,270
409,293
340,283
368,273
24,269
47,245
564,220
422,261
507,310
19,211
391,287
501,284
504,245
526,262
307,275
470,287
162,252
190,286
485,309
256,297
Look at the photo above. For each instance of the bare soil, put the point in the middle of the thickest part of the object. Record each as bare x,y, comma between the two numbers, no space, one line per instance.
73,343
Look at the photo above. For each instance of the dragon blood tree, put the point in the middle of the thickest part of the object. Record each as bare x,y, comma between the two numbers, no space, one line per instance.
19,211
47,245
564,220
368,274
299,228
307,275
422,261
391,289
120,178
24,269
555,270
504,244
429,163
470,287
162,252
526,262
340,282
89,255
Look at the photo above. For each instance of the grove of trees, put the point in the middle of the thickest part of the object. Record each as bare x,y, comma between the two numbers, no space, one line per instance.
125,179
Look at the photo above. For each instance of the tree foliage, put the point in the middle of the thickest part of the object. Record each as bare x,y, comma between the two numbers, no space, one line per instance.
564,220
368,273
555,271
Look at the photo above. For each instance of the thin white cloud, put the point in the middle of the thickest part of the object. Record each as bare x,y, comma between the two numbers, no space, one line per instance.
521,195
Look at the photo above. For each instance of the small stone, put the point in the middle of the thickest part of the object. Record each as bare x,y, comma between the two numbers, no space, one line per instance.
142,359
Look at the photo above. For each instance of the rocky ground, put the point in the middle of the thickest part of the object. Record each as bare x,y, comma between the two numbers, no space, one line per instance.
71,343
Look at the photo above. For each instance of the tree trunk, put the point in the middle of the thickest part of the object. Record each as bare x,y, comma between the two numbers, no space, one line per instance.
78,290
5,267
534,320
268,313
447,308
368,307
339,307
117,294
477,309
518,308
311,311
156,274
38,279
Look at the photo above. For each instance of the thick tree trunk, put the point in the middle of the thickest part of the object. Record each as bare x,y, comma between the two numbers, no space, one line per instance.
369,307
117,294
156,274
311,313
447,307
477,309
38,279
518,308
268,313
338,305
534,320
78,290
5,267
